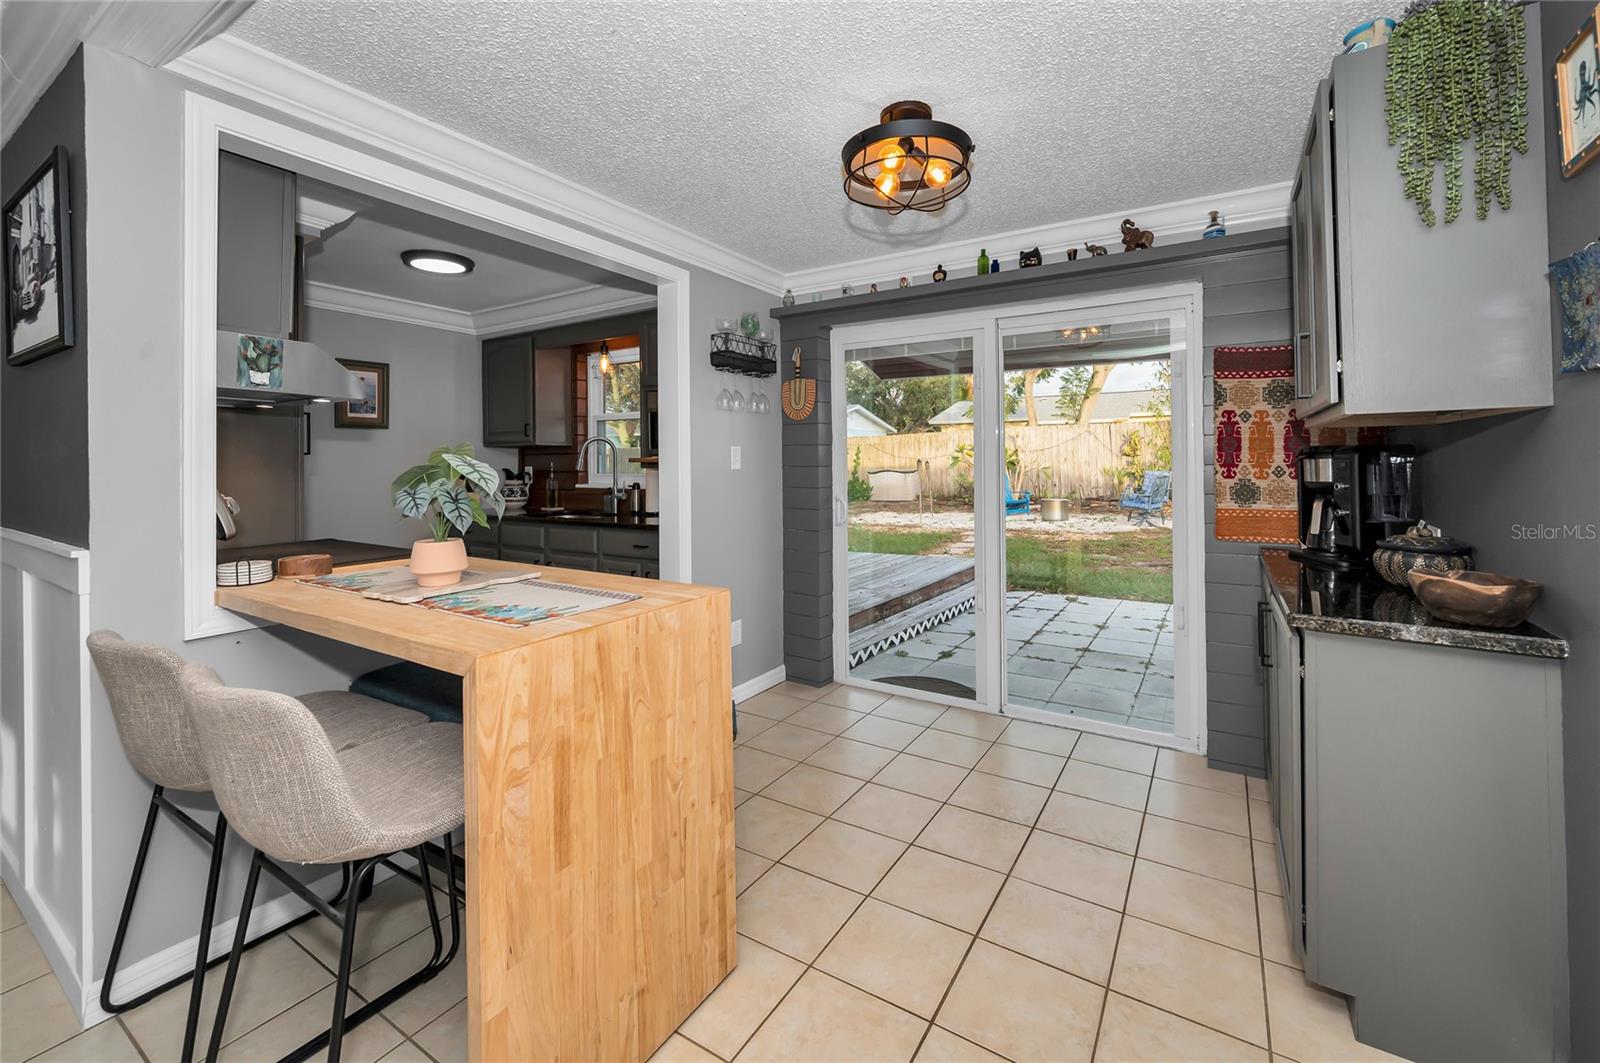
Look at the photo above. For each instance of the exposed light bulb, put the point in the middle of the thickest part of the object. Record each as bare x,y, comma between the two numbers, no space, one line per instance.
605,358
888,184
937,172
892,157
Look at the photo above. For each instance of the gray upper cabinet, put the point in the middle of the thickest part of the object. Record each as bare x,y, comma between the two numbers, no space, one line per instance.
256,248
527,394
1397,323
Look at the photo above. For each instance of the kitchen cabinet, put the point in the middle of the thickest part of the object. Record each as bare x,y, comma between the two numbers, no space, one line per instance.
256,209
1396,323
527,393
626,551
1279,648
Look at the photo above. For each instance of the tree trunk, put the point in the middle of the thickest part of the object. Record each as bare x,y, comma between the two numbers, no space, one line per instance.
1092,396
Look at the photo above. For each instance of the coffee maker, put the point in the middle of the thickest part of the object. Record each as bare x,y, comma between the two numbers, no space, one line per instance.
1351,497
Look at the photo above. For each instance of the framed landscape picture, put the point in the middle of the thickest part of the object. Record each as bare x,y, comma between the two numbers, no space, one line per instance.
1578,97
38,264
372,409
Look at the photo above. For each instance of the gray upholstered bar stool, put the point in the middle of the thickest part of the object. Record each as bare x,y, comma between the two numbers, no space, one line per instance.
142,681
287,790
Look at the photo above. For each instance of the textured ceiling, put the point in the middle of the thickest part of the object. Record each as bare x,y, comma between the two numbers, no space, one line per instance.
726,118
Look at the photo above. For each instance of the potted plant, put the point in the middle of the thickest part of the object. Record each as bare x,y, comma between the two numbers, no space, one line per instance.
450,491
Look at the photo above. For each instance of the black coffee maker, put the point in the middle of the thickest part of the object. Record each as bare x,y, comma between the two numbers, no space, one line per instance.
1351,497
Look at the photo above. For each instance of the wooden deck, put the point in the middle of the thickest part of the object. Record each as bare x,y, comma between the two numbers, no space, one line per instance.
895,594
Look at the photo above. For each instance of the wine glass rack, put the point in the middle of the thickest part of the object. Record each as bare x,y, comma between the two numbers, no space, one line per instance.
732,352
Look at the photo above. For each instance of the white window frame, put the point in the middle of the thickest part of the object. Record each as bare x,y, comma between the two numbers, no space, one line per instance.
597,413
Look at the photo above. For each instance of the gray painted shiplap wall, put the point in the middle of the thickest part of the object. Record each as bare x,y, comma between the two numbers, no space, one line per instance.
1247,300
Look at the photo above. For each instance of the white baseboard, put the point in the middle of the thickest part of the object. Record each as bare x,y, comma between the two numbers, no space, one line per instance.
765,681
52,940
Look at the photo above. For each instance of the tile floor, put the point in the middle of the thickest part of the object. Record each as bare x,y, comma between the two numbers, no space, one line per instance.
914,883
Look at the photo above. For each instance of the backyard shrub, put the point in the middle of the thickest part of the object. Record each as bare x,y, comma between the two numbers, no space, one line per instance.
859,488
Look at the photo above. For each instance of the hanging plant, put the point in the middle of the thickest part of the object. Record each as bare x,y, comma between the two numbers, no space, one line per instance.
1456,75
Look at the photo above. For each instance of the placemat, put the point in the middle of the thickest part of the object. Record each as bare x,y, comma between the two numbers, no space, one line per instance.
522,604
396,584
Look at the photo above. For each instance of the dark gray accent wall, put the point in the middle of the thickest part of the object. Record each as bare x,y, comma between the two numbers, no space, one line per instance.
1526,491
1246,300
44,405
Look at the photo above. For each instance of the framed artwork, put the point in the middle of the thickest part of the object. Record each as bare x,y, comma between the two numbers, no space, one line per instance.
38,264
1578,97
1577,281
372,409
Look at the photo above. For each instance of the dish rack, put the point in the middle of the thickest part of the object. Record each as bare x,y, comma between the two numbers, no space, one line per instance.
732,352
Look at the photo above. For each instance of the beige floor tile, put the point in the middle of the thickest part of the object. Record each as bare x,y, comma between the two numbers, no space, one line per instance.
679,1049
1203,808
1100,783
1256,788
406,1052
950,748
1021,1008
793,912
1214,853
10,914
1275,943
427,1001
1309,1023
273,977
1132,1032
1215,986
105,1043
1095,822
860,760
747,867
894,954
1043,737
984,725
803,691
882,731
932,779
1023,765
754,769
940,887
1054,928
1116,753
21,959
1265,858
910,710
787,740
741,796
773,705
822,1018
1070,866
812,788
445,1039
36,1016
750,726
1192,770
858,698
942,1046
281,1034
725,1020
1205,907
992,795
974,837
770,829
1261,829
820,716
892,812
849,856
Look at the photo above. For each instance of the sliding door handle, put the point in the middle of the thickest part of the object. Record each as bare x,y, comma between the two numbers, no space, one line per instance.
1261,635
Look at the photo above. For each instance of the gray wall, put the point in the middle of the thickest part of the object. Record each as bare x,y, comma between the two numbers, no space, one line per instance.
1490,481
1247,300
435,398
44,419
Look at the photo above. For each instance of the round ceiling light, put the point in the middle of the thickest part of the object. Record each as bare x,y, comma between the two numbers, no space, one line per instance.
437,261
907,161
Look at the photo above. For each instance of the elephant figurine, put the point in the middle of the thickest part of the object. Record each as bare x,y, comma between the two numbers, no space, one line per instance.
1094,249
1135,238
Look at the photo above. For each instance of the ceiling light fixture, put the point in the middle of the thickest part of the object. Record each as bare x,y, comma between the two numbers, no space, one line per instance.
907,161
605,358
445,262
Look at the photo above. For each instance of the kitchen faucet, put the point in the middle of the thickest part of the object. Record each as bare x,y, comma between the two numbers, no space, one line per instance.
609,505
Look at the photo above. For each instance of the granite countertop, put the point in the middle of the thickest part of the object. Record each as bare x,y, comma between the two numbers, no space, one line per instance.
639,522
1360,603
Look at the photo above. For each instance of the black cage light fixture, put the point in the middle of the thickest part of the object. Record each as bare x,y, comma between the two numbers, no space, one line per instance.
907,161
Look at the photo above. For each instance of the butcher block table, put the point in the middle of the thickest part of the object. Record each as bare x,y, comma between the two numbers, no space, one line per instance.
599,803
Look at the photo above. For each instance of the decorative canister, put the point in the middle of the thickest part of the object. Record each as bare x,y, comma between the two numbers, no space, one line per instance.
1422,548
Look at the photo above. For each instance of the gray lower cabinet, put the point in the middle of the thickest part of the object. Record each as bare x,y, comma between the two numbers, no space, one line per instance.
621,551
1280,661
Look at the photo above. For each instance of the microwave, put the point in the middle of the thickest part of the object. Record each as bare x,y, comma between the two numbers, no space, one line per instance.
650,444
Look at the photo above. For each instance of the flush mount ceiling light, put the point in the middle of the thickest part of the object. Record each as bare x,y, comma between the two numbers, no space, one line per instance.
907,161
437,261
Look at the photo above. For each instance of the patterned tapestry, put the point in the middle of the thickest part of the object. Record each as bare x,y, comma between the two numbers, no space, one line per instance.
1258,437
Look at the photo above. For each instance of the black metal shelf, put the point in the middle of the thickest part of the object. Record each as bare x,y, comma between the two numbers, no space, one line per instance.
732,352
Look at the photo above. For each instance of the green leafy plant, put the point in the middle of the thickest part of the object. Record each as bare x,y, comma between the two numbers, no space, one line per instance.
449,491
1455,74
858,488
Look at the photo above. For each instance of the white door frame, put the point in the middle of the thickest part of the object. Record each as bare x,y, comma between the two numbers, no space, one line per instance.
1184,300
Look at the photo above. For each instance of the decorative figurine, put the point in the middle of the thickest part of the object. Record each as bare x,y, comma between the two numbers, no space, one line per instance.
788,297
1030,258
873,288
905,282
844,289
1072,254
938,273
1094,249
1135,238
983,261
1214,228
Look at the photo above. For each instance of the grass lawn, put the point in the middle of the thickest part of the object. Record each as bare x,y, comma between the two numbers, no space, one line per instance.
885,541
1135,566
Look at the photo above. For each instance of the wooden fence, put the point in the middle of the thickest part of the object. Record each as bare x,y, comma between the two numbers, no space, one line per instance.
1056,459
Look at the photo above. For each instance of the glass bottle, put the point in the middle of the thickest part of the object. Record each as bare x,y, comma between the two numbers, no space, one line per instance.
788,297
938,273
983,261
1214,228
994,264
552,490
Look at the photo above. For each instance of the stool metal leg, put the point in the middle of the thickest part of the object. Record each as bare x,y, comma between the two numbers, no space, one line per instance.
127,913
203,949
232,976
347,948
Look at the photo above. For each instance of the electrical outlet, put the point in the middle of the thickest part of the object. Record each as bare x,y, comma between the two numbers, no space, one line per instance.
738,632
734,458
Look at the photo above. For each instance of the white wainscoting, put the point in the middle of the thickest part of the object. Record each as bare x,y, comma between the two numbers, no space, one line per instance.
44,747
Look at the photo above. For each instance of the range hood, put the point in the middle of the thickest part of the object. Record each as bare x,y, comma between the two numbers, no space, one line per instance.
265,369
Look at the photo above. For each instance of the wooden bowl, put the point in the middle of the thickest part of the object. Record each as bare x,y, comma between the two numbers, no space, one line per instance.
1482,599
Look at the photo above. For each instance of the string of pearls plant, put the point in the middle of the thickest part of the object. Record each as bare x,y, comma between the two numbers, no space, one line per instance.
1455,74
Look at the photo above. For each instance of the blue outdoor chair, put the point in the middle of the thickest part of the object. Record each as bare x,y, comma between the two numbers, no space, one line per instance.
1151,497
1015,504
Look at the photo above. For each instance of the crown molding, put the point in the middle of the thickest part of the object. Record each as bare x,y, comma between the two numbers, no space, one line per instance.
557,308
1245,210
386,308
316,217
234,66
